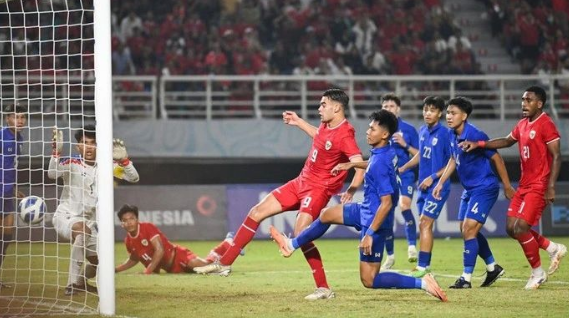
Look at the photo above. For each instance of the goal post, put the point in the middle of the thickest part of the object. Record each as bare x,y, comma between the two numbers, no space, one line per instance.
104,117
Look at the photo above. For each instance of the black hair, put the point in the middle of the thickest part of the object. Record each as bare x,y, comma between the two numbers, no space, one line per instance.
436,101
391,96
386,119
337,95
87,131
127,208
539,92
463,103
15,108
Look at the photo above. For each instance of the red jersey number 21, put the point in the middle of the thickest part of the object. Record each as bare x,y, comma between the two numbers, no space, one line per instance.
526,152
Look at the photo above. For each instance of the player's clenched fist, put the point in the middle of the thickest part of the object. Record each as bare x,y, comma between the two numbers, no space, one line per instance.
56,141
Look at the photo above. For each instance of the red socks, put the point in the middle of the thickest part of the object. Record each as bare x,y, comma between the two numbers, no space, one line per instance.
541,240
315,261
243,236
531,248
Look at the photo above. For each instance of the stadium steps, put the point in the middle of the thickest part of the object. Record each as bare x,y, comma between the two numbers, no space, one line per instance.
493,57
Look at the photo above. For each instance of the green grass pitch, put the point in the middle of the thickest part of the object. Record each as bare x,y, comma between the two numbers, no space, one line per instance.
263,284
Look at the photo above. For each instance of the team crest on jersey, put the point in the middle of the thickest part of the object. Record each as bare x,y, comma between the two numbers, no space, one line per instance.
144,242
532,134
435,140
328,145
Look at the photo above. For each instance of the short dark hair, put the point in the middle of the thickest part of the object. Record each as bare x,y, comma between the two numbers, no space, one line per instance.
463,103
539,92
337,95
386,119
436,101
391,96
127,208
15,108
88,131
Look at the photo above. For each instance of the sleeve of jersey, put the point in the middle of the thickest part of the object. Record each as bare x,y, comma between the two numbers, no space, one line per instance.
127,173
516,132
381,176
550,132
350,146
413,138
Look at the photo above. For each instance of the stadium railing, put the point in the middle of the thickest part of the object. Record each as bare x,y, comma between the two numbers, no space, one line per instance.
495,97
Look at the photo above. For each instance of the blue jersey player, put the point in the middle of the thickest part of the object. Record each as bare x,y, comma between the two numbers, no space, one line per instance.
405,142
434,153
16,119
481,189
373,217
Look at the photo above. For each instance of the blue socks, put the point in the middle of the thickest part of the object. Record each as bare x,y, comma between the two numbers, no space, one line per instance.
469,255
484,249
396,280
424,259
311,233
389,242
410,227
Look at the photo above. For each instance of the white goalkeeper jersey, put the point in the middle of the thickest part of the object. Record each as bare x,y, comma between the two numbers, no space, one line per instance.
79,195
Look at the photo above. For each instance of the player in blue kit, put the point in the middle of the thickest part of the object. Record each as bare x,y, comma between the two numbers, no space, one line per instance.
434,153
405,142
16,118
481,189
373,217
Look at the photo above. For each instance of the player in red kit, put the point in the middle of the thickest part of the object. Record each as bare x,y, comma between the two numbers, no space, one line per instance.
538,143
333,143
146,244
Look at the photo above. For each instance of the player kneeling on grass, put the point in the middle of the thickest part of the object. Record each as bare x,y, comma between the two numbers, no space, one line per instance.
145,243
481,189
373,217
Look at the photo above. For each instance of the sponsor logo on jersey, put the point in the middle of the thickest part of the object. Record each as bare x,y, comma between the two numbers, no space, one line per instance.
532,134
144,242
328,145
435,140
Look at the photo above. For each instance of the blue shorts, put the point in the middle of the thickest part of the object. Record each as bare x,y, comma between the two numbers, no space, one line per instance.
352,218
430,206
407,185
476,204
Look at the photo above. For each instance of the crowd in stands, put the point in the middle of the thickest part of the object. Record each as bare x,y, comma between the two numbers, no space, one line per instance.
288,37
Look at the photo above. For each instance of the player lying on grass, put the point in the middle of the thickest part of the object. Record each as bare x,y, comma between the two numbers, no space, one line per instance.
538,144
146,244
373,217
481,189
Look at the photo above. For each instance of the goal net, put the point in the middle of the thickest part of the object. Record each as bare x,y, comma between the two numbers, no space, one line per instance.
47,64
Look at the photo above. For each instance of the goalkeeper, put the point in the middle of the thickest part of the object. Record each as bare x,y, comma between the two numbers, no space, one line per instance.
75,217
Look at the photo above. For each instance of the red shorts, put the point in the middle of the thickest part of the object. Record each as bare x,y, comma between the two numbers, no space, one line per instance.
182,258
301,196
527,204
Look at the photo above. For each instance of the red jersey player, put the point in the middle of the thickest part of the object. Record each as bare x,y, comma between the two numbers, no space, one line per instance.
333,143
146,244
538,143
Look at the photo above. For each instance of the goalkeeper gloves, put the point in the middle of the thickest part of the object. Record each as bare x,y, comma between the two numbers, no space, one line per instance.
119,153
56,141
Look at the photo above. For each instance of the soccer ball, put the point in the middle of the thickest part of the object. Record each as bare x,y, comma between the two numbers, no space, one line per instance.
32,209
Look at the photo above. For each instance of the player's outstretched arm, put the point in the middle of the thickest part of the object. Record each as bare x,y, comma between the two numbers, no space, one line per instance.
497,143
157,256
498,162
291,118
56,169
554,149
449,169
121,159
358,179
129,263
411,163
